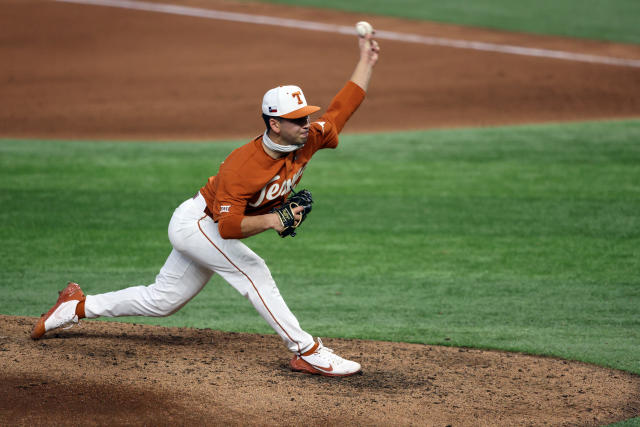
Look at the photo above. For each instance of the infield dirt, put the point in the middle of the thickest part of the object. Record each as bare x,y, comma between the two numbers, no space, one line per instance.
89,72
77,71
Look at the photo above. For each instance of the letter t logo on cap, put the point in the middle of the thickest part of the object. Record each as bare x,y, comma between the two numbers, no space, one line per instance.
296,95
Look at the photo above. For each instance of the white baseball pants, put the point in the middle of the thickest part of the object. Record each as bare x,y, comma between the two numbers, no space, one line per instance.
198,252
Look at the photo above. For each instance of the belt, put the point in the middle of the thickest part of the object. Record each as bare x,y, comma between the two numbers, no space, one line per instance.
208,212
206,208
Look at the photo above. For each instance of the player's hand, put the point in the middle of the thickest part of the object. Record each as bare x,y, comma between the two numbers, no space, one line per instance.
297,215
369,49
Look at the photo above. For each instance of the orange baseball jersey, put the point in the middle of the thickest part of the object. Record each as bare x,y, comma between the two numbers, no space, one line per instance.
250,182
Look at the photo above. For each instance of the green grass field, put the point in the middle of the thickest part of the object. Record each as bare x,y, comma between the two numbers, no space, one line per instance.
614,20
518,238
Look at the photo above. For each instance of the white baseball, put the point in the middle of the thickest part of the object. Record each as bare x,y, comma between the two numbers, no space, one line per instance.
363,28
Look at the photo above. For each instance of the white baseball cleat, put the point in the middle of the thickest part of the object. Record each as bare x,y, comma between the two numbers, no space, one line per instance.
62,314
321,360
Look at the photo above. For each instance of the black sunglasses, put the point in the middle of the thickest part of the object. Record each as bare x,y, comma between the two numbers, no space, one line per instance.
302,121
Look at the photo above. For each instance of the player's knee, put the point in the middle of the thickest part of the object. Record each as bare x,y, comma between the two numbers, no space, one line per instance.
256,265
166,308
260,272
164,304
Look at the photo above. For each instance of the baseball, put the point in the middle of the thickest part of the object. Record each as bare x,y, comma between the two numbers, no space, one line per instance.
363,28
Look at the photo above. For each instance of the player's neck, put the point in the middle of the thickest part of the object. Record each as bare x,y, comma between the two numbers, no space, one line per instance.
271,153
273,146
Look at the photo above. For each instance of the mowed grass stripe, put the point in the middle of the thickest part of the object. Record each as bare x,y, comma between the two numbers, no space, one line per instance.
592,19
520,238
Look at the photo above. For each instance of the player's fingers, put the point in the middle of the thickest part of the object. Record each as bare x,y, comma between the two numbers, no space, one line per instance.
297,215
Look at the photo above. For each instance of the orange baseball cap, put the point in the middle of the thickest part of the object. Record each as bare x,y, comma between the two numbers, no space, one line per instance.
287,102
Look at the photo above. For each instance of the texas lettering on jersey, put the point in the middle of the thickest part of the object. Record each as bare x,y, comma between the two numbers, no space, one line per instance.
274,189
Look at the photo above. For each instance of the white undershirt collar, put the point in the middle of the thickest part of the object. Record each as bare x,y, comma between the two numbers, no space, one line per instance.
277,147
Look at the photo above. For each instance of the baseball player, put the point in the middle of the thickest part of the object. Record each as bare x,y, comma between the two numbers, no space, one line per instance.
247,196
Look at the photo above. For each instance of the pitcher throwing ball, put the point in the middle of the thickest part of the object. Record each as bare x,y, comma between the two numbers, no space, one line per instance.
251,193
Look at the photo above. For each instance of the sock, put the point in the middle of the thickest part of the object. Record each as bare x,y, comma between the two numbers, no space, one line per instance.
80,310
310,352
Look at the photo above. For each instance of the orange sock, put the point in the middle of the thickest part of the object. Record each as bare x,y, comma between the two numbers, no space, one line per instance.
308,352
80,310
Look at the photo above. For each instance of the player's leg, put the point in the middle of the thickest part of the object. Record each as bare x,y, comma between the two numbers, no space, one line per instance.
179,280
249,275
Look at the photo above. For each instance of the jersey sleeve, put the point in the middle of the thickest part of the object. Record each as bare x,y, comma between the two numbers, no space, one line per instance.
325,134
343,105
325,130
229,204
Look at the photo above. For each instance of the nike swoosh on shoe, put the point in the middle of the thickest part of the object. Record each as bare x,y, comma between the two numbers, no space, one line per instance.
322,368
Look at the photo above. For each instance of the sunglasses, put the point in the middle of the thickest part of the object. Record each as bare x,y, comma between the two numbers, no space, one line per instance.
302,121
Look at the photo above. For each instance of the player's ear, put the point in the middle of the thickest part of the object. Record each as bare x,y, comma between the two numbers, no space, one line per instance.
274,124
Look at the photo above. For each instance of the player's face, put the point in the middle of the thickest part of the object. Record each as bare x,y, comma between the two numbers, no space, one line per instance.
295,131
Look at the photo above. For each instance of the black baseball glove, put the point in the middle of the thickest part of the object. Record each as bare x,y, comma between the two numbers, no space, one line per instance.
285,212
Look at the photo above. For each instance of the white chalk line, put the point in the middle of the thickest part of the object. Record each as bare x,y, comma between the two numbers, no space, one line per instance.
343,29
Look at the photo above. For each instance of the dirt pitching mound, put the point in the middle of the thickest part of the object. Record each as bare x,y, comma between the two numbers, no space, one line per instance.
120,373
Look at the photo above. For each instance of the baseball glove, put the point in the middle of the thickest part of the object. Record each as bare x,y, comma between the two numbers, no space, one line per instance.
285,212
